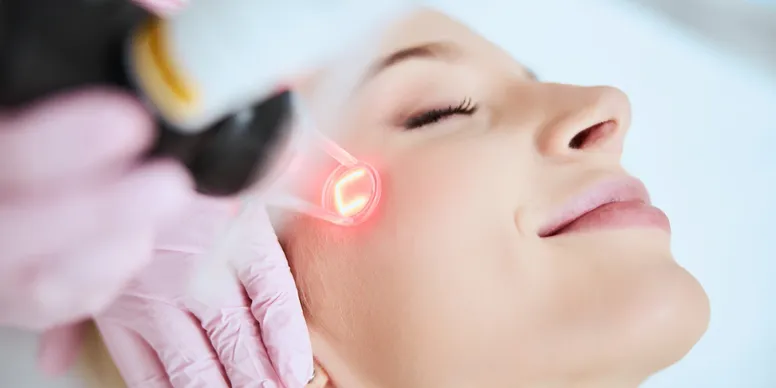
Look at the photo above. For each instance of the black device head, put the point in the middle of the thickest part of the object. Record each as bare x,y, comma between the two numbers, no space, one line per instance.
236,152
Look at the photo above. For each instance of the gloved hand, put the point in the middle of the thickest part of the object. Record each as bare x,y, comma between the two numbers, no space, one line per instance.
252,334
77,216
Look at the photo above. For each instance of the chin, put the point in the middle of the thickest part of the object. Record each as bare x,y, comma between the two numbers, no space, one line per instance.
673,315
665,310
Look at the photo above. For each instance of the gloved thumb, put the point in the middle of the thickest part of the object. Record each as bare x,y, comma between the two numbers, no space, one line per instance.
59,348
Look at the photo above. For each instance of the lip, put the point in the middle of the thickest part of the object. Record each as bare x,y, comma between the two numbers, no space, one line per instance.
619,203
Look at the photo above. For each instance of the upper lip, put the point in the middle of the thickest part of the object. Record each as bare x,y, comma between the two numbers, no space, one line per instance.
624,189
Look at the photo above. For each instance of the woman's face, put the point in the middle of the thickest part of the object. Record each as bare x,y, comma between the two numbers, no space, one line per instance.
461,278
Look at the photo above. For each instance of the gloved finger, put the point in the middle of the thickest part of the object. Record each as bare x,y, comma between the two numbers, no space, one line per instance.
146,197
135,359
83,282
275,303
92,277
177,337
70,135
162,7
59,348
234,333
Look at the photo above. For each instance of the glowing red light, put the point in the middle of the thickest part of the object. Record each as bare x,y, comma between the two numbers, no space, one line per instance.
352,191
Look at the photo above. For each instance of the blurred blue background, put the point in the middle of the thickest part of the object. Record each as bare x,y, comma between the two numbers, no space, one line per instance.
703,86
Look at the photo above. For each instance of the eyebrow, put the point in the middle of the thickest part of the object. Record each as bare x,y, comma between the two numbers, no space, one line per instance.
443,51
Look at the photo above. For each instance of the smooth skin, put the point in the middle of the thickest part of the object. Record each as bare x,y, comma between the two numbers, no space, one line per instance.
450,283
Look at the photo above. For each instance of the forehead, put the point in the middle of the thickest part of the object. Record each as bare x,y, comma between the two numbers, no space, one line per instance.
423,26
328,89
427,26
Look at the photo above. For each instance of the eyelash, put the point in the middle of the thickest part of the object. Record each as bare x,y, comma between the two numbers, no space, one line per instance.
466,108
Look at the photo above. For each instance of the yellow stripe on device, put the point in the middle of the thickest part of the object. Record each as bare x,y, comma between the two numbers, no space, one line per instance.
159,77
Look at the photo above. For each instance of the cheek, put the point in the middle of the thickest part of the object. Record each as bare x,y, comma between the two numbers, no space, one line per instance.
441,261
463,180
449,209
444,289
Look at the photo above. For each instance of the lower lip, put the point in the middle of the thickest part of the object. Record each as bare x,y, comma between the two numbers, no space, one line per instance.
620,215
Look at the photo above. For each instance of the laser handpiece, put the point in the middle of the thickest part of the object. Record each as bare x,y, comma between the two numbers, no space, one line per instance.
209,74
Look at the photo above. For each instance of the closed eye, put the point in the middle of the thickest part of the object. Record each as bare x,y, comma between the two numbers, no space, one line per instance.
466,108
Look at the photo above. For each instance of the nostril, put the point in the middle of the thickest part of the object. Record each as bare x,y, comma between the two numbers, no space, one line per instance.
592,135
580,138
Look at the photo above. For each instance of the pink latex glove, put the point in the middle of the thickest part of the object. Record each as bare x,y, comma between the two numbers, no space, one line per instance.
160,336
77,215
252,335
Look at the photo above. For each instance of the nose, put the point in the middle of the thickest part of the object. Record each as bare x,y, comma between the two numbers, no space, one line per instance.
583,120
